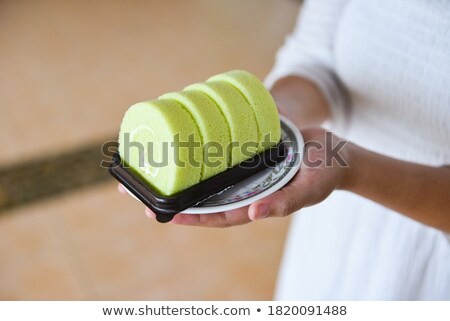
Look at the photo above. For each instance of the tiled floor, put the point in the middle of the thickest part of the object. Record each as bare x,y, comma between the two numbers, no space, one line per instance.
95,244
68,70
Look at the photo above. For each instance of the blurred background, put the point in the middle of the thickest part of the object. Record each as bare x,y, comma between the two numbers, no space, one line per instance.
68,72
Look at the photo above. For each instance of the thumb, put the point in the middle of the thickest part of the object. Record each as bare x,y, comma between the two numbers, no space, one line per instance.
281,203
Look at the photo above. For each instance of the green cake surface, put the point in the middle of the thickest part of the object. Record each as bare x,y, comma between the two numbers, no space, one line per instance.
213,129
262,103
158,122
238,113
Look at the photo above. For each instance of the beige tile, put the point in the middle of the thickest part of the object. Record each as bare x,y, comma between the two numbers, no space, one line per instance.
96,244
126,255
34,265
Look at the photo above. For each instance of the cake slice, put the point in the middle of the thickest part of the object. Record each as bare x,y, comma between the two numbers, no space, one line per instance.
149,143
238,114
212,126
261,102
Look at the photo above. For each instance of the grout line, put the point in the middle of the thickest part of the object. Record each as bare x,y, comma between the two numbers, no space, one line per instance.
41,178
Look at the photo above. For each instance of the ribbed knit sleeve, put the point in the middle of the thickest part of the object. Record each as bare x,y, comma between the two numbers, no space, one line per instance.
308,52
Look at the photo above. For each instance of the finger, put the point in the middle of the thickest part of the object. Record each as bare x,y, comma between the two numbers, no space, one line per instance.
121,189
150,213
281,203
282,110
222,219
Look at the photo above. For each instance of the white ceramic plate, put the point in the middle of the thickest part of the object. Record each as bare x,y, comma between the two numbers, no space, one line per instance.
261,184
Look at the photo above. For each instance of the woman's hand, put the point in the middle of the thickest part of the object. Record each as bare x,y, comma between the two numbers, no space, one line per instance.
417,191
312,184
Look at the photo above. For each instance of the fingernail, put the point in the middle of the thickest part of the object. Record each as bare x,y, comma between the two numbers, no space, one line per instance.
262,212
149,213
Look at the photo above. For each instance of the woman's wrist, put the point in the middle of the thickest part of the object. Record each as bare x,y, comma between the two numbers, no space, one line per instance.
351,154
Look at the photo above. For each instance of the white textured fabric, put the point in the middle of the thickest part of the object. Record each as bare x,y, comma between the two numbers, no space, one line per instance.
384,67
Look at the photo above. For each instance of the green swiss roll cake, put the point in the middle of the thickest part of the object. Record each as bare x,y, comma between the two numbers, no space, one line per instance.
261,102
158,126
186,137
213,129
239,115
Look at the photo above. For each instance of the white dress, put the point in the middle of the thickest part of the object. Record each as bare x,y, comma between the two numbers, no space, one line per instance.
384,67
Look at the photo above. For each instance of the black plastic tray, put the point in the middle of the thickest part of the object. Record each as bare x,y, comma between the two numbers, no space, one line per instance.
166,207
